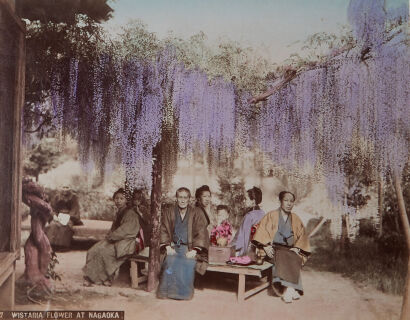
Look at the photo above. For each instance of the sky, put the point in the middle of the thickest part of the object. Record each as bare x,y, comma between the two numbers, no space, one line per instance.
269,26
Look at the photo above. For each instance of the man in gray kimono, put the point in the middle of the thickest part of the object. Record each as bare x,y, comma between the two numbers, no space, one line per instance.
184,247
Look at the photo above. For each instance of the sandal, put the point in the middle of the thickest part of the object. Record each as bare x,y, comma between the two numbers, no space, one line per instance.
87,283
107,283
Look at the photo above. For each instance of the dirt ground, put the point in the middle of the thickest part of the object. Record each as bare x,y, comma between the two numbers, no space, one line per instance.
327,296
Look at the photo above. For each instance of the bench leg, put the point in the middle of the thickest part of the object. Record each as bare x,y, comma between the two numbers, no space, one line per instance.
241,288
134,274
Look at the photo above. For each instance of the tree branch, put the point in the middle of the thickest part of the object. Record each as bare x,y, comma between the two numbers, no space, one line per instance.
39,127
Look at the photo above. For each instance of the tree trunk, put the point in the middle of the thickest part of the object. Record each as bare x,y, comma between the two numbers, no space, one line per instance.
37,249
156,192
405,310
380,205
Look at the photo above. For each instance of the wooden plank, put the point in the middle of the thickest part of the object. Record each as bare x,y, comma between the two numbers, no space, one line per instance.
6,260
241,288
15,236
5,275
12,59
7,100
7,290
235,270
258,288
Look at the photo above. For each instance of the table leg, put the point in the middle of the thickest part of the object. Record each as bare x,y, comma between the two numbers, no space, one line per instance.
241,288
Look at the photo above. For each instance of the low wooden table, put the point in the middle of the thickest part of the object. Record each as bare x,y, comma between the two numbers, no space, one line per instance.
242,272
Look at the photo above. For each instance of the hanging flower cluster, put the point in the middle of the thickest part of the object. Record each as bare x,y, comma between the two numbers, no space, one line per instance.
120,118
314,120
316,117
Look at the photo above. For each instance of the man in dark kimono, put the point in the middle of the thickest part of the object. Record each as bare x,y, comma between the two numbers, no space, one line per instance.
65,202
184,247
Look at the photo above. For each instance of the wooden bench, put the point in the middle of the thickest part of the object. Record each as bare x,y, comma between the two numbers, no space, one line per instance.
142,257
242,272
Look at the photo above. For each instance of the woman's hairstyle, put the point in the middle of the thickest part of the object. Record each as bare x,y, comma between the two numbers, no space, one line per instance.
200,190
283,193
255,194
183,189
138,192
141,194
120,190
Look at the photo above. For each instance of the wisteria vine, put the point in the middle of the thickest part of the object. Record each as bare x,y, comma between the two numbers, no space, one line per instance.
133,104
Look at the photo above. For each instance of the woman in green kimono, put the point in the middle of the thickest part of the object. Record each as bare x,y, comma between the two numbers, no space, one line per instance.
106,256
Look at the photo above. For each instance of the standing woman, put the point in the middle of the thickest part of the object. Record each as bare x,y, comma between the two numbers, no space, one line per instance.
282,237
241,241
106,256
203,198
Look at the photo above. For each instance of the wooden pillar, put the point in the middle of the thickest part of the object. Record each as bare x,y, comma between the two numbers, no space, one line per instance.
12,66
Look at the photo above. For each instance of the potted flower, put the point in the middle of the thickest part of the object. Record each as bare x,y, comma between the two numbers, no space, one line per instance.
220,251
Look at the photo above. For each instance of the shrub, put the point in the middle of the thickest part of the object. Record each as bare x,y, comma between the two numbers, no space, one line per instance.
366,261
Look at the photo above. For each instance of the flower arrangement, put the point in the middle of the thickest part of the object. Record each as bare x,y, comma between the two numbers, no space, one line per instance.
221,235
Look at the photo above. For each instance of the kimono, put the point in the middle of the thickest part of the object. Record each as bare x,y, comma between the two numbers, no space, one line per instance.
58,234
211,216
145,223
242,237
106,256
283,235
178,272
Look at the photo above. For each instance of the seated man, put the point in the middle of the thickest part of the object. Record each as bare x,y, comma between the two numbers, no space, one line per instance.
184,247
282,237
66,206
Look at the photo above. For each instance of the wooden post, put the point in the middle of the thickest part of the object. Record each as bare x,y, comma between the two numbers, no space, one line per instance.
405,310
317,227
154,265
12,73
